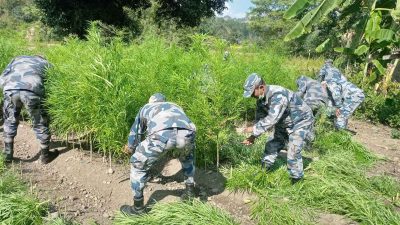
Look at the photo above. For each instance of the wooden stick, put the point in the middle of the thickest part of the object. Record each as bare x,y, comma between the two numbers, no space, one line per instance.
91,146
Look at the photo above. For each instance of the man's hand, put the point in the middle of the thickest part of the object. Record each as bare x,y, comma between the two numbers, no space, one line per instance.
323,84
127,150
249,140
248,129
337,112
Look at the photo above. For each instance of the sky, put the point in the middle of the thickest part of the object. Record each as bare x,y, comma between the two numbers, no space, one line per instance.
237,8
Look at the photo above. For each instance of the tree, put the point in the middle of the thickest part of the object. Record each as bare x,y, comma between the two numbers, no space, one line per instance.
73,16
189,12
266,17
230,29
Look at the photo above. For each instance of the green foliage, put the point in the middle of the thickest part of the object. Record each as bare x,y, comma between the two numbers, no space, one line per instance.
74,17
380,108
395,134
367,29
386,185
335,182
16,206
11,44
231,29
97,86
15,12
21,209
311,18
194,213
266,18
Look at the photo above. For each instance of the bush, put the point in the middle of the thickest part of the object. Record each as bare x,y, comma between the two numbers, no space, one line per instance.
383,109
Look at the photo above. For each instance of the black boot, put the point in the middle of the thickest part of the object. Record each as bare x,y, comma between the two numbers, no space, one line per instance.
296,180
46,155
188,193
137,208
8,152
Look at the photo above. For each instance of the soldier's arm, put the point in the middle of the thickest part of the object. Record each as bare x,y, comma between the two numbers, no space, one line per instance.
136,131
260,112
336,92
322,73
276,109
301,88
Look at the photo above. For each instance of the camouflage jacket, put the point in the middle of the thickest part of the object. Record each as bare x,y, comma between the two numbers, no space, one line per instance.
338,86
157,116
282,107
311,92
25,73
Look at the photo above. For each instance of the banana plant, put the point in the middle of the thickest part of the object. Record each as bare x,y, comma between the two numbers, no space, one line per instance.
375,32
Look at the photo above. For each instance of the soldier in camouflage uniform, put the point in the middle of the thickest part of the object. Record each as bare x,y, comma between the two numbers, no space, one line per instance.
23,85
290,117
312,93
167,127
345,96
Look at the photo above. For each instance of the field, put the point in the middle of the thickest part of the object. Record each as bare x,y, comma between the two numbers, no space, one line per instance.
95,88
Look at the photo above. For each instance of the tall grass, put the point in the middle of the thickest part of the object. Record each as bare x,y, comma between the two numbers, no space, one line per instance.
11,45
97,86
195,213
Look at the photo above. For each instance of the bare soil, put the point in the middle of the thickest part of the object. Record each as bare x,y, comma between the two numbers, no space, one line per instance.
377,139
88,189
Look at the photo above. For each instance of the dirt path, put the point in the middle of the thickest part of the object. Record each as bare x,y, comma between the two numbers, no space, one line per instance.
378,140
85,190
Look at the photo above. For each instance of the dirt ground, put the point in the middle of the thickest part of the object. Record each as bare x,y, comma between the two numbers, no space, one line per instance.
377,139
87,189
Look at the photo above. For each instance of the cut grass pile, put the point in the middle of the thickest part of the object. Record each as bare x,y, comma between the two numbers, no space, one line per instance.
335,182
185,213
17,206
20,207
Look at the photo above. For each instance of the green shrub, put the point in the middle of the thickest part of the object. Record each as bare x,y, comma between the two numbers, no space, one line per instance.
395,134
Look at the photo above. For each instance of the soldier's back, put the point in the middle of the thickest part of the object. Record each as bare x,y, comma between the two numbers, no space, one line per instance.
25,73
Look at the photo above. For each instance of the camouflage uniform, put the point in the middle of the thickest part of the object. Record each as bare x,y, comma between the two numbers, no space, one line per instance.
23,85
167,127
312,93
292,119
344,95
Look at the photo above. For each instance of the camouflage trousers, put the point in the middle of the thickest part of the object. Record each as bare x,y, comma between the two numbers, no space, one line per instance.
153,147
13,102
295,143
350,104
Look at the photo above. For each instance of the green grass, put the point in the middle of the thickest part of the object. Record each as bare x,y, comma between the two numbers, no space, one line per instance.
335,182
97,86
17,205
194,213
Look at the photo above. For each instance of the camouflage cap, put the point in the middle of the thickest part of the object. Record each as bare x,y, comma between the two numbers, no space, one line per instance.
250,84
157,97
